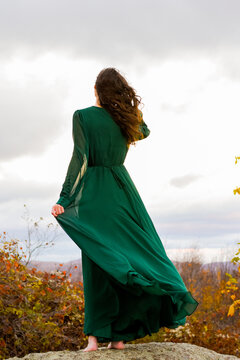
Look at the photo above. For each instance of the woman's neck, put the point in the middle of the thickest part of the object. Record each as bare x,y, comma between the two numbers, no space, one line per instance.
96,104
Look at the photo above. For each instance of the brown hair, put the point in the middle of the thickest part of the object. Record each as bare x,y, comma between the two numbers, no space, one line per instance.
121,101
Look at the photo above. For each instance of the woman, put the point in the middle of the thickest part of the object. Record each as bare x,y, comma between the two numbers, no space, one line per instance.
131,287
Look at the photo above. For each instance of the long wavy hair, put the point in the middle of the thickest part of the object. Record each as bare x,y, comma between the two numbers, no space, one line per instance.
121,101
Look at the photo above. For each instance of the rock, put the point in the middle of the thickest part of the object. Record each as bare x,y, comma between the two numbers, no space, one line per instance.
147,351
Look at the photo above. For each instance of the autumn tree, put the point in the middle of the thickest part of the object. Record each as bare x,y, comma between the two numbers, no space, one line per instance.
233,282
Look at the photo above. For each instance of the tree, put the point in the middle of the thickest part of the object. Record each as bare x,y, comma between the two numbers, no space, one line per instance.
233,283
38,237
237,190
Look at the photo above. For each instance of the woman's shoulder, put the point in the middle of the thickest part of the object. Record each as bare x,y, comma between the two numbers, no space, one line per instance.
92,114
82,113
86,109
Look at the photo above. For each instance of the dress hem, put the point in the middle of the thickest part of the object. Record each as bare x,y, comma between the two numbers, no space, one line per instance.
182,304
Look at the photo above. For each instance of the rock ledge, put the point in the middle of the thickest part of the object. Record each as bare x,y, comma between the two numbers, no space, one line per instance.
146,351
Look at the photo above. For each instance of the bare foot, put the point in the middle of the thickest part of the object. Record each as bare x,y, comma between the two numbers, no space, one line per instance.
116,345
92,344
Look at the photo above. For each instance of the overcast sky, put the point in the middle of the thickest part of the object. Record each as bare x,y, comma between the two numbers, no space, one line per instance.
182,57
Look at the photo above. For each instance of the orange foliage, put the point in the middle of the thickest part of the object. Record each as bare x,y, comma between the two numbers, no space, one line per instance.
39,312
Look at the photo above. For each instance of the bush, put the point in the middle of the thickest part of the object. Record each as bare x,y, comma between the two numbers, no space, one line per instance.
39,311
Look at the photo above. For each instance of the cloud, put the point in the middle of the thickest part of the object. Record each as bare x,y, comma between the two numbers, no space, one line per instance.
178,109
31,118
183,181
22,190
127,30
213,224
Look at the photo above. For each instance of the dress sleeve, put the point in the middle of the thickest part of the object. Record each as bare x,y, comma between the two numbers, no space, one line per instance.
78,163
144,129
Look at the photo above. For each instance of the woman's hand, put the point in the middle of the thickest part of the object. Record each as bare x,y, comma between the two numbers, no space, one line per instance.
57,209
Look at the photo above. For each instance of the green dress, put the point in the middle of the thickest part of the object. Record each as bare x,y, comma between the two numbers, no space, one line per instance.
131,287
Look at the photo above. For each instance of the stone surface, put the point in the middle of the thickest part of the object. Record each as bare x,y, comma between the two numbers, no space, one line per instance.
148,351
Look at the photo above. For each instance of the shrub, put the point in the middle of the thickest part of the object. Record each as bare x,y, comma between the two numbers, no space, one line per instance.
39,311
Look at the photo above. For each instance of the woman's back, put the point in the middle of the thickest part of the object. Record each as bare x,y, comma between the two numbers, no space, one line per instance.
107,145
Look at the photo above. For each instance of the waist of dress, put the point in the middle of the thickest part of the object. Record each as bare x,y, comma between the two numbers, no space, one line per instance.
112,167
104,165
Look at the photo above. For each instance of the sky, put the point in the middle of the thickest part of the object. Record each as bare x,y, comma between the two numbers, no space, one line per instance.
181,57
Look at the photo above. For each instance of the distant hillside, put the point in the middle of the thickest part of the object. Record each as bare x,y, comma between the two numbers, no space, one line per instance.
49,266
224,266
227,266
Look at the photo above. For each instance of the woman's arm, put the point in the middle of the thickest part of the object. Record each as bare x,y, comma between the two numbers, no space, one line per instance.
78,163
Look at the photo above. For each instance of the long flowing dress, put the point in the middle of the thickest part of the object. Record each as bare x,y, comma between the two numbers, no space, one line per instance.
131,287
